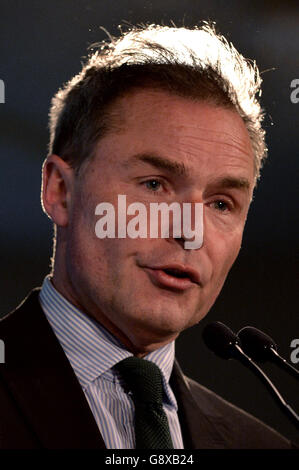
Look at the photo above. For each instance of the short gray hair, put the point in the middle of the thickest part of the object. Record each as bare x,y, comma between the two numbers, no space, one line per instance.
195,63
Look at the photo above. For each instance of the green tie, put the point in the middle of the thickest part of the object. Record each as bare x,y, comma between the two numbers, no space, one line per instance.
144,379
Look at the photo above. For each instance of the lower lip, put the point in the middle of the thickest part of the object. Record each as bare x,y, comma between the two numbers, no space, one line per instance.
161,279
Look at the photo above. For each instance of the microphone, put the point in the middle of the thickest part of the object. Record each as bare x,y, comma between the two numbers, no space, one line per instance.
226,344
260,347
221,340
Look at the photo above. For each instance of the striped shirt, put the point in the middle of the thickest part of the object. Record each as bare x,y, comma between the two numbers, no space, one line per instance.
92,352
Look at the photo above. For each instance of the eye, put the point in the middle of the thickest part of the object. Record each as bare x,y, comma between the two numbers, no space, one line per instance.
221,205
153,184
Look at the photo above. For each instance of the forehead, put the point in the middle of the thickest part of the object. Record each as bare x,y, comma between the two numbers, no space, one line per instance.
147,108
195,132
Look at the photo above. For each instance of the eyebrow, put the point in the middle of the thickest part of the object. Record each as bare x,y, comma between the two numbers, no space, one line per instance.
179,169
231,182
176,168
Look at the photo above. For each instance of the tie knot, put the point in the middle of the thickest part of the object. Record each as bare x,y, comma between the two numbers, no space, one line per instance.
143,378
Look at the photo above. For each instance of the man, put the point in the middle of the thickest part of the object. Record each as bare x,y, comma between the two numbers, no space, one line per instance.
162,115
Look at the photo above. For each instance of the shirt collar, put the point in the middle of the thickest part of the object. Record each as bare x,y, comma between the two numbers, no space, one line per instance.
90,348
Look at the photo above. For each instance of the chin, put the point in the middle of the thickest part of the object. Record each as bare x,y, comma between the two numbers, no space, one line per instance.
168,322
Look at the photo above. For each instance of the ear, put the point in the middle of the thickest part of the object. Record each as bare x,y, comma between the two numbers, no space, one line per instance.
57,188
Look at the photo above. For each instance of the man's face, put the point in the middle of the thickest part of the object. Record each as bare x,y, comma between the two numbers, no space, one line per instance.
165,149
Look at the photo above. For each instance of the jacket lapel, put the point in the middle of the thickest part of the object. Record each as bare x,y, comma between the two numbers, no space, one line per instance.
50,398
43,383
199,430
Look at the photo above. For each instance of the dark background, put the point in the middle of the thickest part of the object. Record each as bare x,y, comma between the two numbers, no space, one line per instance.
41,46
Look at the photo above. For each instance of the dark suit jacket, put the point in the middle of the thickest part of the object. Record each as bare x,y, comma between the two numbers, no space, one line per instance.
42,404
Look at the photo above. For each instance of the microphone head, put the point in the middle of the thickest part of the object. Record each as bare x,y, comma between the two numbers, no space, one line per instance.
220,339
256,344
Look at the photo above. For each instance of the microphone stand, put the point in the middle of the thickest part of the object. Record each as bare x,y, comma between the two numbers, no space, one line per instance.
280,361
285,407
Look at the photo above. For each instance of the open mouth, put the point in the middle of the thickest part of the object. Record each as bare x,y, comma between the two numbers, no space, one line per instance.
177,273
172,278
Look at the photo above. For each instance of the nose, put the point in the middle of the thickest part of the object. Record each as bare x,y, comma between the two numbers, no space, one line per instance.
180,241
186,227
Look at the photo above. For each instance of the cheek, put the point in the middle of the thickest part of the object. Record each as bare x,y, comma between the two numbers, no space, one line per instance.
224,254
84,249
